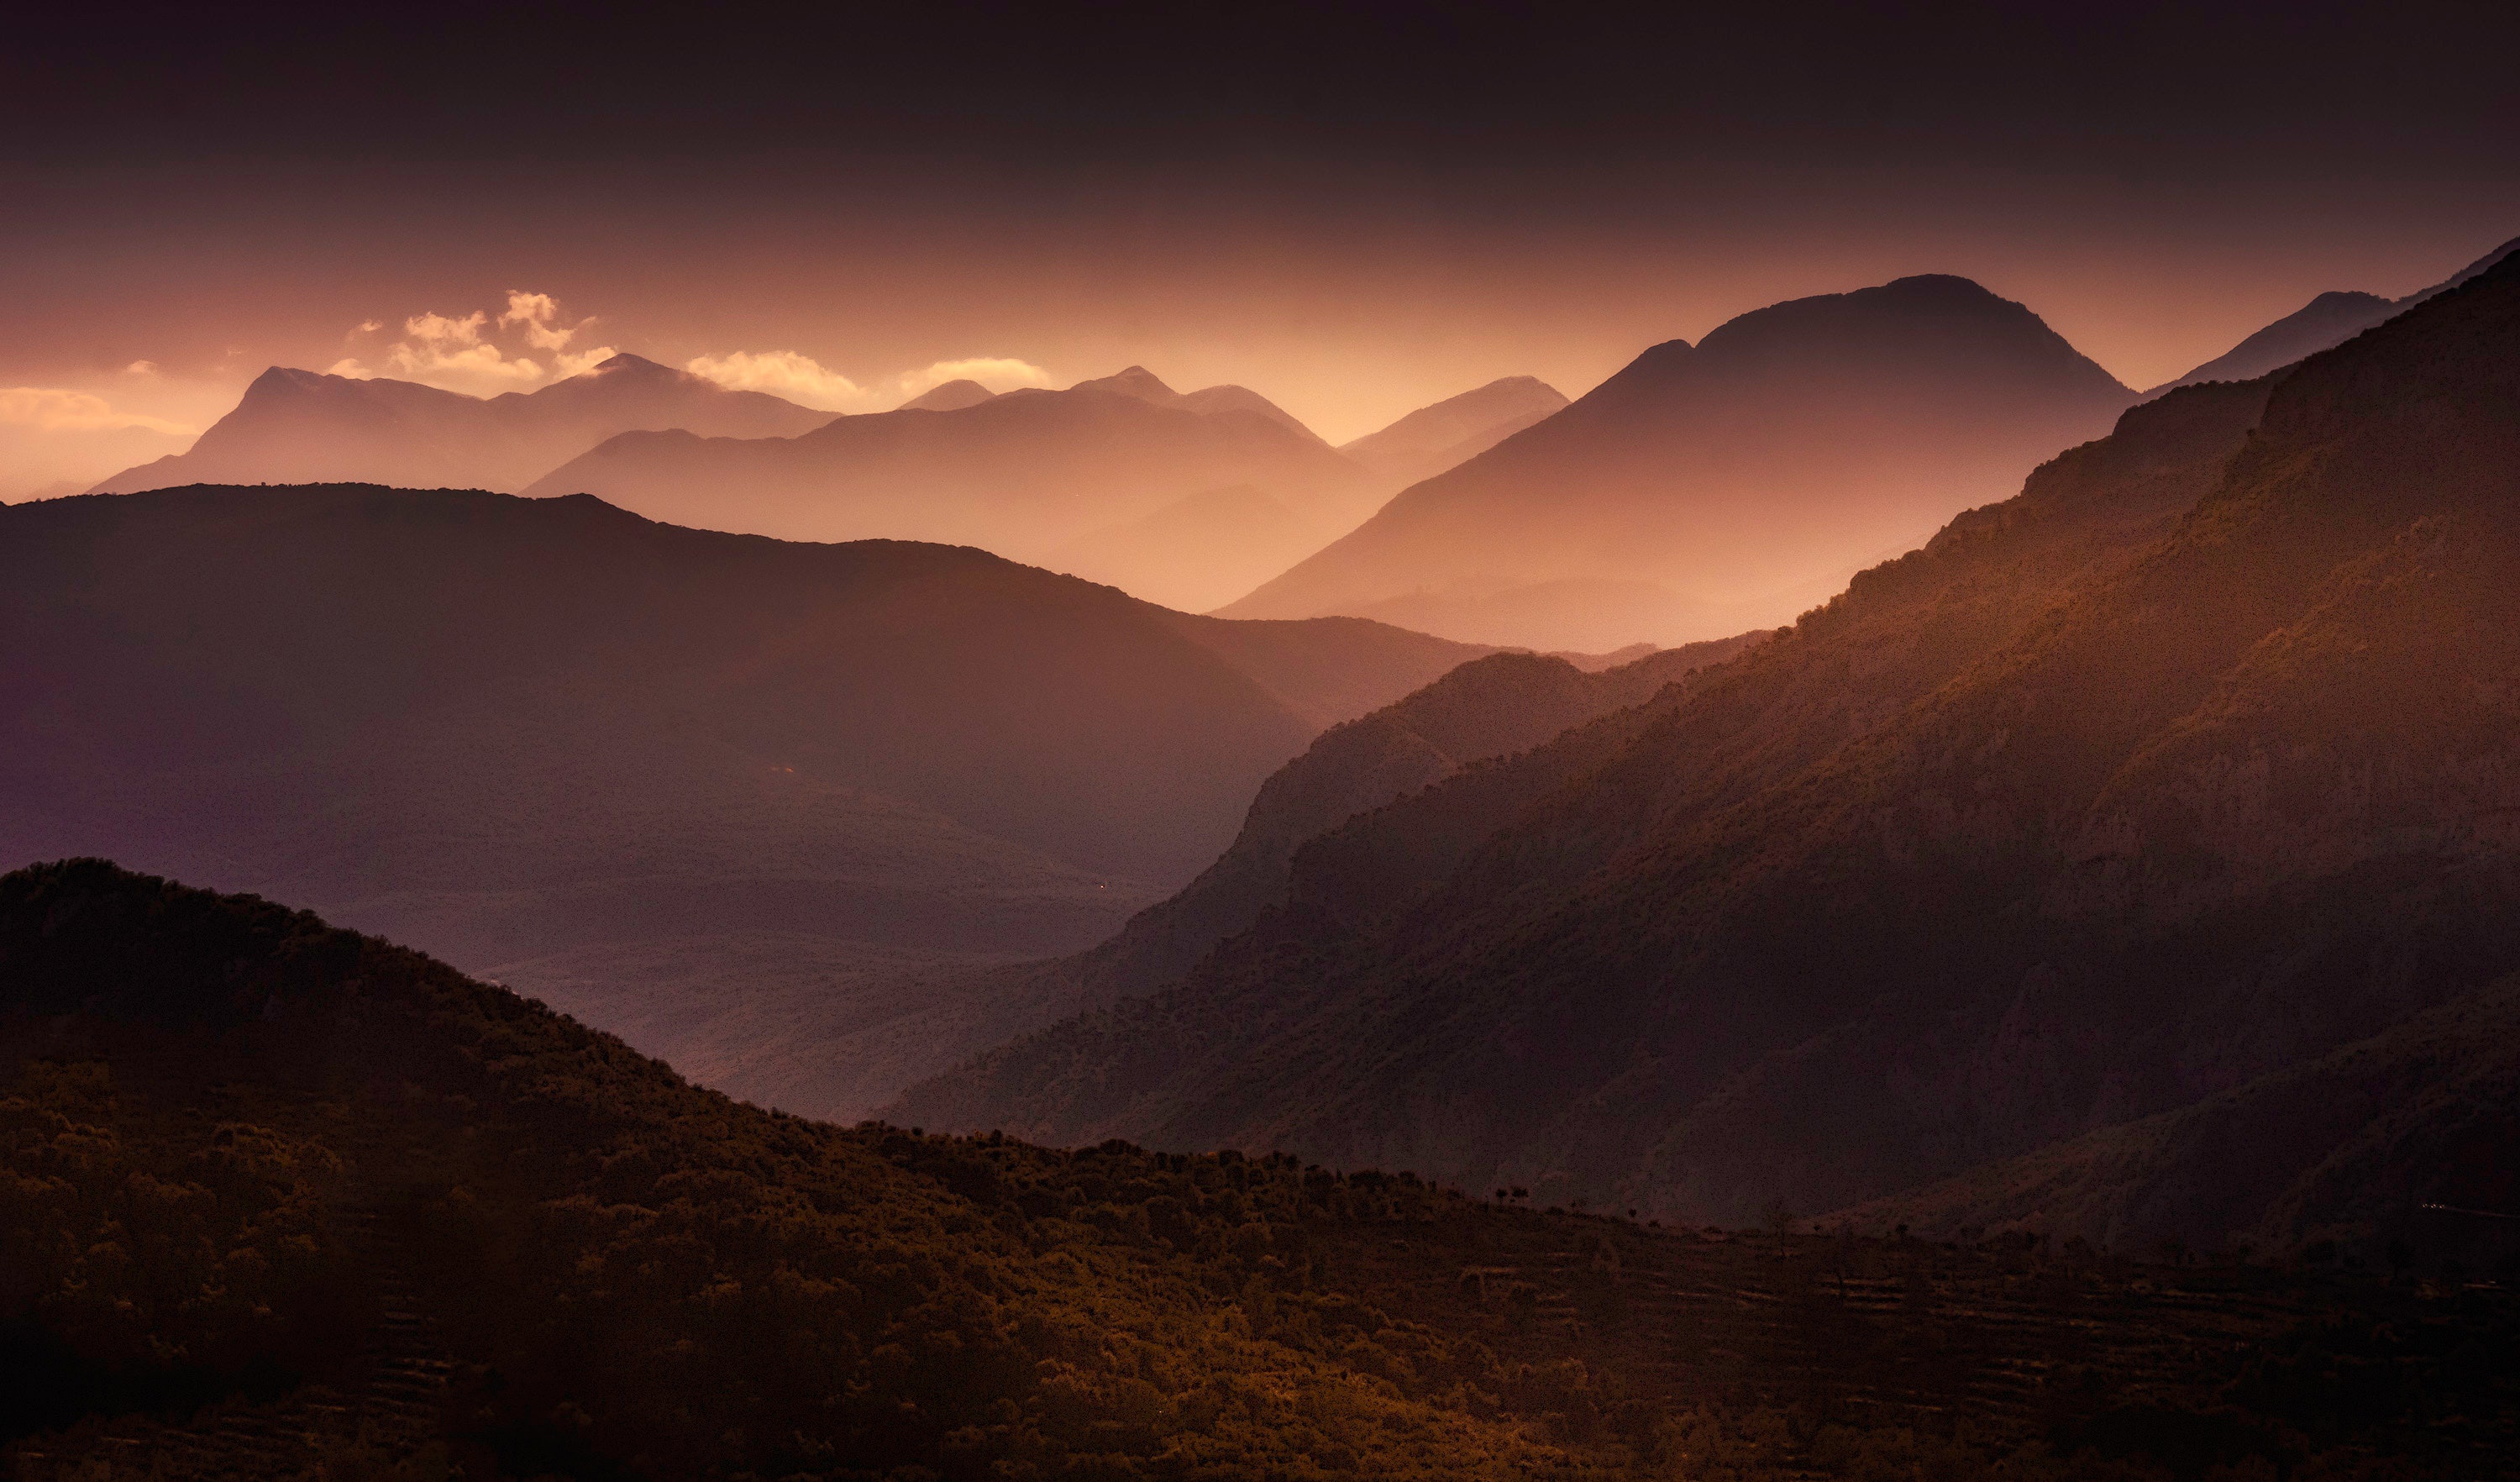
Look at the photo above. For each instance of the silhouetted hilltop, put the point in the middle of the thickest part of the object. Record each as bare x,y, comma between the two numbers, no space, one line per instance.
2186,766
502,728
1141,384
2326,321
1709,489
951,396
298,427
1041,477
288,1201
1431,439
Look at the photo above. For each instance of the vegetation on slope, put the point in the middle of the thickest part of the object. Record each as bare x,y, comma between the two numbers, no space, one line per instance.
233,1136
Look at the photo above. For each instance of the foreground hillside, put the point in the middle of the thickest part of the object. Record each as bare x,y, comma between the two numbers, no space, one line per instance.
2190,765
280,1202
505,729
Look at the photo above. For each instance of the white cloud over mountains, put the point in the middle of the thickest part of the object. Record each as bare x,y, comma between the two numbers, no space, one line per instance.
801,378
527,346
476,354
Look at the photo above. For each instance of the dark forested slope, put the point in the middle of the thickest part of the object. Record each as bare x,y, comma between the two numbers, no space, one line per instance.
278,1201
2192,763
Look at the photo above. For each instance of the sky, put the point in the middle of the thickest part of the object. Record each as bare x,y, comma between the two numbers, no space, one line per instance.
1355,209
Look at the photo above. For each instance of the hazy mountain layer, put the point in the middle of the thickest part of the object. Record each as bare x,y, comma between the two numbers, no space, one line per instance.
1708,489
284,1202
1454,430
1079,479
2326,321
505,729
838,1034
2188,765
298,427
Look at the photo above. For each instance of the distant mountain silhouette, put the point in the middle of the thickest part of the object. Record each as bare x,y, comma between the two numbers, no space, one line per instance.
2191,767
505,729
1093,478
951,396
1431,439
1142,384
299,427
1709,489
2328,320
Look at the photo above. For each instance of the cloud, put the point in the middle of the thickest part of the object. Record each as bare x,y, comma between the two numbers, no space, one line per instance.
477,354
539,315
997,372
437,329
801,378
50,409
783,372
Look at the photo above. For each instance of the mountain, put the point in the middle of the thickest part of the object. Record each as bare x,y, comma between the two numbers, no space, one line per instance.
2326,321
505,728
1141,384
2191,764
1432,439
2330,319
298,427
1713,488
850,1030
1208,546
949,396
285,1201
1094,478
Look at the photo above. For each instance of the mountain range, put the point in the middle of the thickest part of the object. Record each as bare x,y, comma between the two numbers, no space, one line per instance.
2165,800
1454,430
301,426
508,729
1712,488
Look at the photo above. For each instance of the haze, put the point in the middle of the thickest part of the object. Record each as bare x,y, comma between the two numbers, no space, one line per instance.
1513,201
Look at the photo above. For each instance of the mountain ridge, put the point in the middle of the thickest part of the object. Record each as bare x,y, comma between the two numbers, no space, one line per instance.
307,426
2042,914
1716,487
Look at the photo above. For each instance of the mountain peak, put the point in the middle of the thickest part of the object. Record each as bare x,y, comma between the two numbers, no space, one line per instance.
625,364
1136,380
949,396
1937,284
